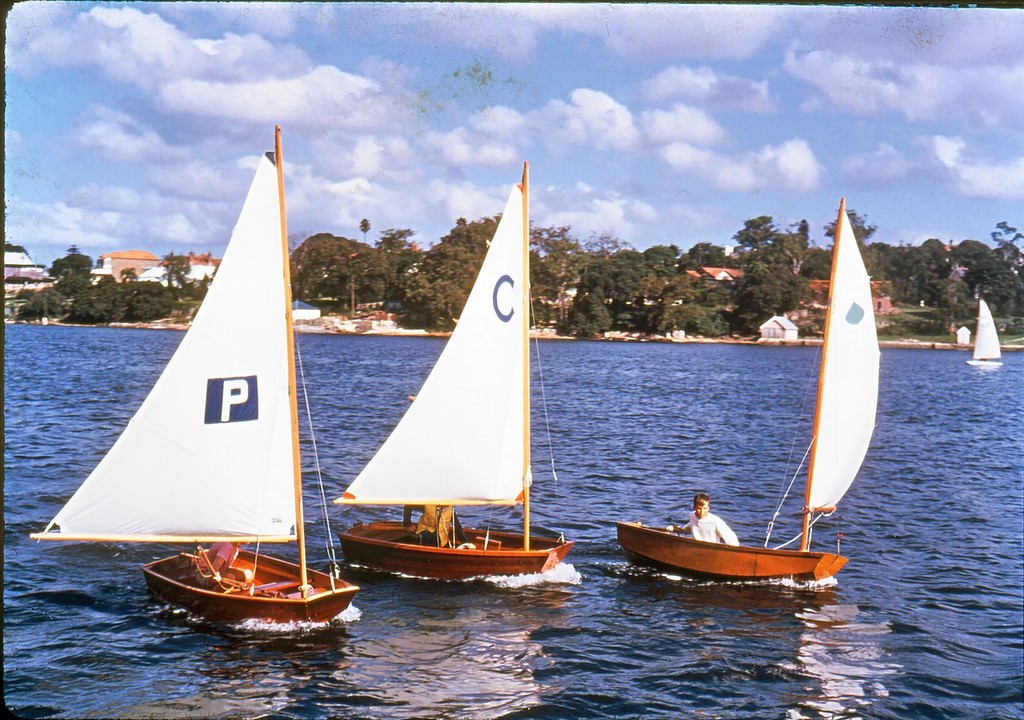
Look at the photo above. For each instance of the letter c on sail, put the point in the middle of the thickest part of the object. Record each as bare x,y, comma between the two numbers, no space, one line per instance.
503,280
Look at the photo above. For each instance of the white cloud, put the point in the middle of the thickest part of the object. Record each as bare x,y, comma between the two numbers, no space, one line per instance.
884,165
978,178
706,87
790,166
499,121
460,148
323,98
590,118
920,92
121,138
681,123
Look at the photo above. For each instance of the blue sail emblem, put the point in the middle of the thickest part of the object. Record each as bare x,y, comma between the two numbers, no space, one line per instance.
503,316
855,314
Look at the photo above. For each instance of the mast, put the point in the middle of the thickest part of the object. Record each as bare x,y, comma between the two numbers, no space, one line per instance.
300,534
804,534
526,356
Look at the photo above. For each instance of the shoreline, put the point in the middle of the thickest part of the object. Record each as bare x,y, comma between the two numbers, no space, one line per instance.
319,330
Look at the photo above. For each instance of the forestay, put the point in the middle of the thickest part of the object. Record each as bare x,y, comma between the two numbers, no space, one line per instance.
462,439
986,341
209,453
848,387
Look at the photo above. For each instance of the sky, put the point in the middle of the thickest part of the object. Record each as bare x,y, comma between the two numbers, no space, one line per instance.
138,125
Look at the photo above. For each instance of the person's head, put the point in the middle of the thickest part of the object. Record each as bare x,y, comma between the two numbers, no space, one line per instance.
701,505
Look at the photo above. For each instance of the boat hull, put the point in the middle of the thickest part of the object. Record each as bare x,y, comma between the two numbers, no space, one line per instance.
278,600
723,562
388,546
985,363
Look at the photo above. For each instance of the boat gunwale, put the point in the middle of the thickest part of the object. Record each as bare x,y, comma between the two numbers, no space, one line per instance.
550,544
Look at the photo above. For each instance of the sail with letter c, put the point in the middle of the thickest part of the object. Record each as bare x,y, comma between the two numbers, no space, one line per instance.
461,442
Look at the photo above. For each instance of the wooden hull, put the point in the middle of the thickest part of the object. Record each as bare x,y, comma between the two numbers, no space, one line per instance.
278,600
724,562
387,546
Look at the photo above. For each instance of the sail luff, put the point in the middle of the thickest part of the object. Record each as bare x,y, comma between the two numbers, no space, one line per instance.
805,531
293,408
526,357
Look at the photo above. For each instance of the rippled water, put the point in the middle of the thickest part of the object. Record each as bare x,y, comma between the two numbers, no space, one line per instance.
925,621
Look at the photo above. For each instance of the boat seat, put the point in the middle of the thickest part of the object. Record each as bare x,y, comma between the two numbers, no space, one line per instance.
485,544
213,568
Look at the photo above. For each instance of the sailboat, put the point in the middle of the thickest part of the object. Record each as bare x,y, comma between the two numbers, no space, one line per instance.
844,422
212,455
986,340
465,440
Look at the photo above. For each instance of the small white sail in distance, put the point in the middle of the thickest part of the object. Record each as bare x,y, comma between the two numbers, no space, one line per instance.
986,339
848,388
208,455
461,442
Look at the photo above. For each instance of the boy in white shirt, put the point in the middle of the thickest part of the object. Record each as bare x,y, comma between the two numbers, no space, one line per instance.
703,525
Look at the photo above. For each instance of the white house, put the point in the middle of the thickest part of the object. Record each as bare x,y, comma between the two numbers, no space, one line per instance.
304,311
963,336
779,327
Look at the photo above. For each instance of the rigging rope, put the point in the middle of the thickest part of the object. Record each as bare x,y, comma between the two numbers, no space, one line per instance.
329,542
544,405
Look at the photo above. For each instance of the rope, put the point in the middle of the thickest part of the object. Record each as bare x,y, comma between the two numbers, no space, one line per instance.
785,496
329,542
544,405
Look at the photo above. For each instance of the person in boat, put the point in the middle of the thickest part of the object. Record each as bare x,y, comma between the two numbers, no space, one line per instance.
214,565
704,525
438,526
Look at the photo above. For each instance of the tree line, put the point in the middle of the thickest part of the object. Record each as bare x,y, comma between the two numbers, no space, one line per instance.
585,288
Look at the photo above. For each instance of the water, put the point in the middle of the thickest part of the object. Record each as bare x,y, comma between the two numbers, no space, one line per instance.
924,622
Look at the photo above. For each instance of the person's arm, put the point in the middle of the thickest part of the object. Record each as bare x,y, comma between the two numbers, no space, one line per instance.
726,534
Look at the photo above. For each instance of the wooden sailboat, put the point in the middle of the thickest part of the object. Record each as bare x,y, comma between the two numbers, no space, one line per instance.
986,340
843,424
212,455
478,396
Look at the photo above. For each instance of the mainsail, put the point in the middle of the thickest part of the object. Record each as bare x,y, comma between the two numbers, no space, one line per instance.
462,440
986,339
209,454
848,384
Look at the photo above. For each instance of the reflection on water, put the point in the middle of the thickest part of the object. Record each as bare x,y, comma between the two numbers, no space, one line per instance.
467,665
845,655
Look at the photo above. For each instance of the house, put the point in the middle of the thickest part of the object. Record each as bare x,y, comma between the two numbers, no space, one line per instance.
880,298
115,264
19,268
718,274
963,336
201,267
779,327
304,311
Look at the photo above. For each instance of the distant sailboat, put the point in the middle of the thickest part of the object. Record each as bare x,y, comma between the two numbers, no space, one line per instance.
212,455
844,422
986,340
465,440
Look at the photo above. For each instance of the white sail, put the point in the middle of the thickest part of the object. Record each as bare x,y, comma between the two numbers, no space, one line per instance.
986,340
848,388
462,439
209,452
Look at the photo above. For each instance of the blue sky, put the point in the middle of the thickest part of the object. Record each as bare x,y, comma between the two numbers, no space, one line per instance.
138,125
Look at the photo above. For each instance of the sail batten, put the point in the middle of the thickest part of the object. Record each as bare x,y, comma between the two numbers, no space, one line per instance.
208,454
461,441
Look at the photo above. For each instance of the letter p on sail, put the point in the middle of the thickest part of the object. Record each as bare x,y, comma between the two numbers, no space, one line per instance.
231,400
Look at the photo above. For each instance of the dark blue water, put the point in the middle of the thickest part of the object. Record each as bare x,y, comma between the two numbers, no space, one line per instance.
925,621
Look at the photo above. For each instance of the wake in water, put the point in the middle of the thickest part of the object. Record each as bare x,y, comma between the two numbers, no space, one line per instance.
348,615
561,574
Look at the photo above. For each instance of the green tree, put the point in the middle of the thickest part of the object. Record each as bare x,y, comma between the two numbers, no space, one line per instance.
73,272
438,287
588,316
146,301
555,267
364,227
48,303
178,269
703,255
398,255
